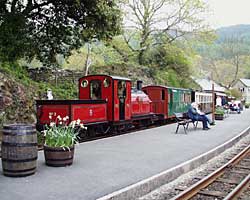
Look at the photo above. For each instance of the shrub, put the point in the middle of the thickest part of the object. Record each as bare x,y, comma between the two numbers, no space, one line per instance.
62,135
219,111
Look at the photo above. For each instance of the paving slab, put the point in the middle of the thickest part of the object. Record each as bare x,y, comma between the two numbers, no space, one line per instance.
103,166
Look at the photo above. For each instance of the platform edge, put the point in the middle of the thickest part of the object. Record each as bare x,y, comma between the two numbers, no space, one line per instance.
148,185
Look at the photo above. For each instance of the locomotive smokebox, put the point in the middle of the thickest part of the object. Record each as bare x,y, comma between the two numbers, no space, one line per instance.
139,85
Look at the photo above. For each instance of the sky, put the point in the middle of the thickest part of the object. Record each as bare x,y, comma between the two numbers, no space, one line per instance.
228,12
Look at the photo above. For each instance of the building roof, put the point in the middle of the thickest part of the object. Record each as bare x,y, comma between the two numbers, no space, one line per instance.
206,85
246,82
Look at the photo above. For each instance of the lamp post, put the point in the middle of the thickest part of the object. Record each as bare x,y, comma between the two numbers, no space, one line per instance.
213,103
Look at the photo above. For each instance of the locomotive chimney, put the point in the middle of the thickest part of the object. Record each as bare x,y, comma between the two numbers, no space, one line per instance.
139,85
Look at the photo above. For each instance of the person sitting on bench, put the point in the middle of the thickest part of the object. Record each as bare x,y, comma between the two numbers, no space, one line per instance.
195,114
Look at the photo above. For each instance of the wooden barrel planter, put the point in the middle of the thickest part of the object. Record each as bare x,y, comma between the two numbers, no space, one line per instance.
19,150
219,116
58,156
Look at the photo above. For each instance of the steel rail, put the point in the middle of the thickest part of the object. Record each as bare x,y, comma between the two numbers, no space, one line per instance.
194,189
234,194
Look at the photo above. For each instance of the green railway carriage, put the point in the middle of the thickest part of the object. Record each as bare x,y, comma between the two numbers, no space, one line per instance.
179,100
168,100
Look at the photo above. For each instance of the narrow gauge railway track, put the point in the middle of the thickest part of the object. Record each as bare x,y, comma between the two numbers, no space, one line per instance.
132,130
128,131
227,182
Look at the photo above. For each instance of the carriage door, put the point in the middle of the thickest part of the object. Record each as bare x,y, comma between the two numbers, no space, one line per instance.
170,102
122,97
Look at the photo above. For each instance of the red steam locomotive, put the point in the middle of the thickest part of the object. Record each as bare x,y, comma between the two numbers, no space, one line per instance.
106,103
110,104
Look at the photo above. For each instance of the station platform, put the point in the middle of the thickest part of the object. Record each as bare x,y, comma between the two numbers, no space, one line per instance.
104,166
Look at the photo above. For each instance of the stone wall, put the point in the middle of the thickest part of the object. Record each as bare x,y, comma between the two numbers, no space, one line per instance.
16,102
1,101
54,76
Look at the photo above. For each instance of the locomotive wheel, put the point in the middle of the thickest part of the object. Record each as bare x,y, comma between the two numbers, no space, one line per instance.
91,132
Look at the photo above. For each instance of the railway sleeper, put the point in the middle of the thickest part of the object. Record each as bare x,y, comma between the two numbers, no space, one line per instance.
205,192
221,180
242,167
244,172
229,181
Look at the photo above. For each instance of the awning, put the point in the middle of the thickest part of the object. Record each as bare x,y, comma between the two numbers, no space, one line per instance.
220,94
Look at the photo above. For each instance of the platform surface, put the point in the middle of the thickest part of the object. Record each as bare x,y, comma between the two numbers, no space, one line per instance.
103,166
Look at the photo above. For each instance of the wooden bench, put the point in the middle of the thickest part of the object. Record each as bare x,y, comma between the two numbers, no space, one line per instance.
183,120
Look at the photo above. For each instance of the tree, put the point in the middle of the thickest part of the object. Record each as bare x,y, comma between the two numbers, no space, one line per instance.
226,60
171,64
45,28
175,18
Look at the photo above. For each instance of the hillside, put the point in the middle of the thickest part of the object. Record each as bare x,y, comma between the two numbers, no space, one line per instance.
18,92
227,58
242,31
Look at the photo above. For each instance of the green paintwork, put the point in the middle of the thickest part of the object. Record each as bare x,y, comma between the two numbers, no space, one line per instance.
176,103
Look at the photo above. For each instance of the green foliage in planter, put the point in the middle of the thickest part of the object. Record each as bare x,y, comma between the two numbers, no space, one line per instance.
219,111
247,105
61,135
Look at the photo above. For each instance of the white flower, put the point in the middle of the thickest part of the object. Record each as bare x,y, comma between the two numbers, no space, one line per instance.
59,117
82,126
52,124
44,132
78,121
72,124
65,119
50,117
60,123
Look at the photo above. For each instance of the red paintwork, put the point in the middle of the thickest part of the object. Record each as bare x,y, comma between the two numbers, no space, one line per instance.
140,103
106,107
127,101
87,113
54,110
106,94
110,94
159,105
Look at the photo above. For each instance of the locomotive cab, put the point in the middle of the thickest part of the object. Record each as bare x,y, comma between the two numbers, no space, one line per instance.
115,90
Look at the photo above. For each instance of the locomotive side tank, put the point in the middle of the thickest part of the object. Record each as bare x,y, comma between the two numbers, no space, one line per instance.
140,103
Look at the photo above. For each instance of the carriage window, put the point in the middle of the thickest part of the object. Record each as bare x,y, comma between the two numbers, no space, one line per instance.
163,95
187,96
121,89
84,83
95,89
106,83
